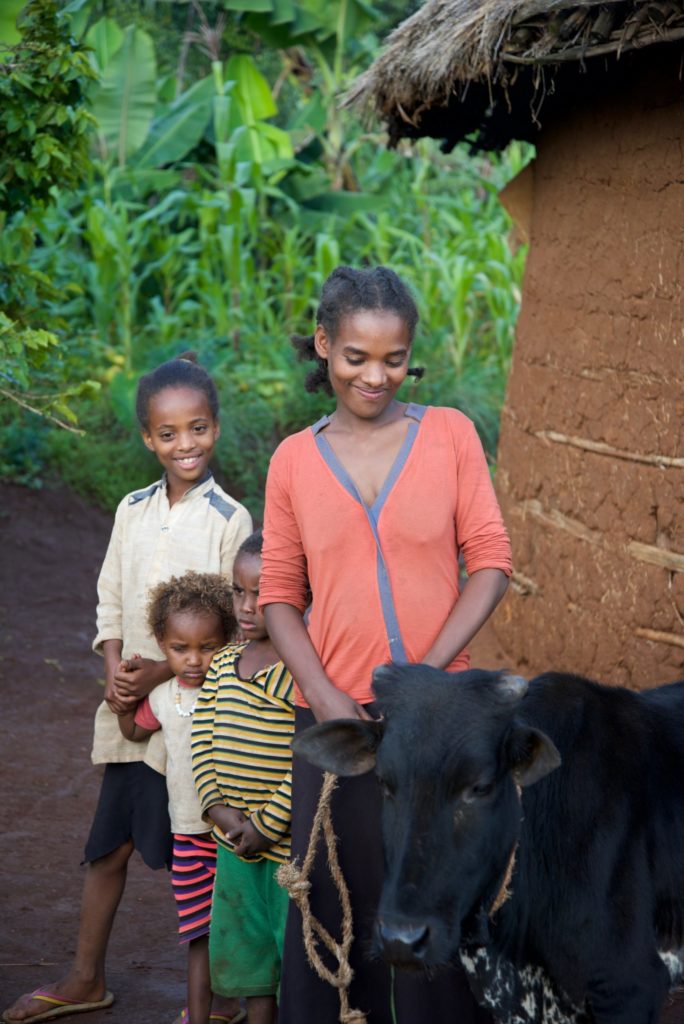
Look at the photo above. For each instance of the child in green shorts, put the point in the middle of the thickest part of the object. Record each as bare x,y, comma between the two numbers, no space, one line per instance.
241,758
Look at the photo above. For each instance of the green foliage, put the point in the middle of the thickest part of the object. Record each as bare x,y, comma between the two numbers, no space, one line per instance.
261,141
214,207
9,33
43,145
125,101
43,123
179,127
98,464
30,374
25,452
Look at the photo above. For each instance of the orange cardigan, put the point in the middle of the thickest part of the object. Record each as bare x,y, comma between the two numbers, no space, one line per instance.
317,534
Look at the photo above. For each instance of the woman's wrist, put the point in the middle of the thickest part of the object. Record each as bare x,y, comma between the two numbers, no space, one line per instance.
317,689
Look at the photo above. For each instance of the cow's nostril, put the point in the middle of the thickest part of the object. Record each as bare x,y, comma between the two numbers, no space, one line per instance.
402,942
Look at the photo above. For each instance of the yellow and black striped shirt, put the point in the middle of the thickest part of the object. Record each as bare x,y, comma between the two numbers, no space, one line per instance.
241,755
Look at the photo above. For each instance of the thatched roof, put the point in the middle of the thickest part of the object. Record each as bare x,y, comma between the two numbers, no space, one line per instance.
463,57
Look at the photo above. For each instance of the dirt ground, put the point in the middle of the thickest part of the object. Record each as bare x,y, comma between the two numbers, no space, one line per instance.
52,546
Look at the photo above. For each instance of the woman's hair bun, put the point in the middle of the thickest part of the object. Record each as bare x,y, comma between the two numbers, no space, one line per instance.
190,356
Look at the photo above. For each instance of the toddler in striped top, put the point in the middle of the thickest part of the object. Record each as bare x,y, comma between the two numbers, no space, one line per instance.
191,618
242,764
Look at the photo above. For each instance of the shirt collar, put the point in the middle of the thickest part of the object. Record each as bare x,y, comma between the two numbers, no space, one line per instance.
200,488
413,411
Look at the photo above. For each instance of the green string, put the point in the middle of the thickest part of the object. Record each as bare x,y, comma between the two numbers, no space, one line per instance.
393,1005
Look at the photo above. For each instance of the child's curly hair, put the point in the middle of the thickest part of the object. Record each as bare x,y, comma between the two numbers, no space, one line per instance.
194,591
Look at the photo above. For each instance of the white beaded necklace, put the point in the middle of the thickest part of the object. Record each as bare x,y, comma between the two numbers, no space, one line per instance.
178,702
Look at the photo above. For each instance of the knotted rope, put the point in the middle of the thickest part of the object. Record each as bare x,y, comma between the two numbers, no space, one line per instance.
296,881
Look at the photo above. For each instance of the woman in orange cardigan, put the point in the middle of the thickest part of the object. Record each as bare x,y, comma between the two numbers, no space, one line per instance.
370,508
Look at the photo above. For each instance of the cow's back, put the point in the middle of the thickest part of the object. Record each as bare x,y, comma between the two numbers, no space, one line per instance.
605,830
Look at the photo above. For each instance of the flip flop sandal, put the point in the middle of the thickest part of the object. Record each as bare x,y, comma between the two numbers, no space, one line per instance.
58,1006
219,1017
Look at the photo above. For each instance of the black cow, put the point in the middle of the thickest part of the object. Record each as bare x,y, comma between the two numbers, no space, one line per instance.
582,784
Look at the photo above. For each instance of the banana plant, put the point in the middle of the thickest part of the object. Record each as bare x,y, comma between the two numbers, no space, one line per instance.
125,100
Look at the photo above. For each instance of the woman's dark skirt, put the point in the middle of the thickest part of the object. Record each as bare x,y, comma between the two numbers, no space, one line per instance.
304,998
133,804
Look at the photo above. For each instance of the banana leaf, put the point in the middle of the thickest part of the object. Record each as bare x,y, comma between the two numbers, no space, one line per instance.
125,102
178,130
106,38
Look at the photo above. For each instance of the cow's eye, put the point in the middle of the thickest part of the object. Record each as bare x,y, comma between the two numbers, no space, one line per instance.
477,792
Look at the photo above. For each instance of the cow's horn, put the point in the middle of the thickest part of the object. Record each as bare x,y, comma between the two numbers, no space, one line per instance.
512,687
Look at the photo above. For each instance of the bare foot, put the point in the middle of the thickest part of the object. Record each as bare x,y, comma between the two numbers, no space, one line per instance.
27,1006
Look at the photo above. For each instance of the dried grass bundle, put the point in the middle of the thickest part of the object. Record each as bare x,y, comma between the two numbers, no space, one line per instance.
449,44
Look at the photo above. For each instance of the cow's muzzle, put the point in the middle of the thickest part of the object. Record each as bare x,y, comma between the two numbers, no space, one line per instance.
402,943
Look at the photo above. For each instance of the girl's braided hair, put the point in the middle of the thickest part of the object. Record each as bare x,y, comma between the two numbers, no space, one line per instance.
181,372
348,291
193,591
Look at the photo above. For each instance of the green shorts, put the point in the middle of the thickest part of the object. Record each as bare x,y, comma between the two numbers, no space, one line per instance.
247,927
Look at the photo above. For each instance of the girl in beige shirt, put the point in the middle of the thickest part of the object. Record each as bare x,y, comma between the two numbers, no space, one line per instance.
182,521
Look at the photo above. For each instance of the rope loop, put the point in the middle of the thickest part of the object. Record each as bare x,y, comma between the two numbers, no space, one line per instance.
296,881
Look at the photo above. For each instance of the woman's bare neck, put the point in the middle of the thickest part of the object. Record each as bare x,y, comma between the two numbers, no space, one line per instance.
344,422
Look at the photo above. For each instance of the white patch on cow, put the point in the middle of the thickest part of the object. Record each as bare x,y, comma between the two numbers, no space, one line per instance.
527,995
529,1005
674,961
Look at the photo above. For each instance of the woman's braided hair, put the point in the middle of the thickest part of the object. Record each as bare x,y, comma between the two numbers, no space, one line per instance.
348,291
193,591
181,372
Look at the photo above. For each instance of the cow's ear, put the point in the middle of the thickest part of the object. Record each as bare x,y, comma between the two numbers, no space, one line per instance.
532,755
343,746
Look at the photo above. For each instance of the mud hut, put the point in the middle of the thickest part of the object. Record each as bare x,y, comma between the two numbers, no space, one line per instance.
591,461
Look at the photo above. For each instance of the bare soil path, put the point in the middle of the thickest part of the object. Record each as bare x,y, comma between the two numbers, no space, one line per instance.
52,545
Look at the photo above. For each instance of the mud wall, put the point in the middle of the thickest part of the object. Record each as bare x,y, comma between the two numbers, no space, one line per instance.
591,457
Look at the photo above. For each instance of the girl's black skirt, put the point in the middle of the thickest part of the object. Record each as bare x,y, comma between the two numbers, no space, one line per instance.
304,998
133,804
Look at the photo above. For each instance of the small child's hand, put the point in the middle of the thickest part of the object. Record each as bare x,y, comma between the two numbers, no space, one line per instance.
119,703
129,664
137,677
225,817
248,840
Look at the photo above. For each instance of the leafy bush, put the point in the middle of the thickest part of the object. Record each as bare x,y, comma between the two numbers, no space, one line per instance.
43,146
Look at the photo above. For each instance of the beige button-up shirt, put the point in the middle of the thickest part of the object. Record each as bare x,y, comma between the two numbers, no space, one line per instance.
151,542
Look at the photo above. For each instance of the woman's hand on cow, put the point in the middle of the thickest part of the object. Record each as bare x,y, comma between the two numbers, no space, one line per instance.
331,703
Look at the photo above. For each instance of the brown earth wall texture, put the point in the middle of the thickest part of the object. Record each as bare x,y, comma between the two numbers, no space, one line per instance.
591,459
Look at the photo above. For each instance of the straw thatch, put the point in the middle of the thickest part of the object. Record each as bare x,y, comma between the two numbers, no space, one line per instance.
478,52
